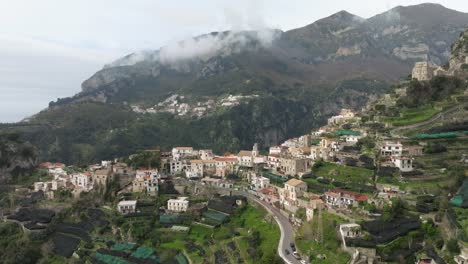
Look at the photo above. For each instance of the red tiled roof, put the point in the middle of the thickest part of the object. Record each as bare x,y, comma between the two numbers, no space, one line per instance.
357,196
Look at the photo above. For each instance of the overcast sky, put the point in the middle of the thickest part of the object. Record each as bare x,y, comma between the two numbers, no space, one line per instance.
48,47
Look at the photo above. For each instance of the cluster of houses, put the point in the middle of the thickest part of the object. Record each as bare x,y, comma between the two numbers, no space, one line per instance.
74,181
397,155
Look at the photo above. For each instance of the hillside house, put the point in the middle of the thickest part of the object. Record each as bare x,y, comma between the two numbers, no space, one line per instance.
274,161
127,207
259,182
224,165
147,174
413,151
180,204
294,189
178,166
391,149
82,180
276,150
405,164
342,198
353,139
179,153
350,230
101,177
294,166
206,154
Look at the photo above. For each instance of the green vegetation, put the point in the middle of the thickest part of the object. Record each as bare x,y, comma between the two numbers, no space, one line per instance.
330,246
249,228
344,173
413,115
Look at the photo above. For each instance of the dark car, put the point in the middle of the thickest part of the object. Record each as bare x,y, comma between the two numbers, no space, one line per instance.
286,251
293,247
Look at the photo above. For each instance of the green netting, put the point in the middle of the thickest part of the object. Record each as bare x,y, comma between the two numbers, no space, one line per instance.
181,259
144,253
274,177
123,246
346,132
461,200
216,216
169,219
434,136
457,201
108,259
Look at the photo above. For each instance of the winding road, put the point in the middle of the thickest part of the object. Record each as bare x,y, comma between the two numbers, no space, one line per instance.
286,228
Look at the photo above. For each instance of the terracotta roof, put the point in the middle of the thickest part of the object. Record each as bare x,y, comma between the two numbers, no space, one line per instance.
225,159
294,182
357,196
243,153
183,148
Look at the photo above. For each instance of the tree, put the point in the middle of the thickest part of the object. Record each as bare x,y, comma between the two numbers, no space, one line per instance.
453,247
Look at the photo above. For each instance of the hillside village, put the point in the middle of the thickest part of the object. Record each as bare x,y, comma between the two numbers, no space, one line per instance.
370,186
346,169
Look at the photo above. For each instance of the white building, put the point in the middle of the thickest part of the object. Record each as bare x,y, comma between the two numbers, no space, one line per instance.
276,150
82,180
127,207
350,230
206,154
403,163
391,149
182,152
180,204
259,182
352,138
147,174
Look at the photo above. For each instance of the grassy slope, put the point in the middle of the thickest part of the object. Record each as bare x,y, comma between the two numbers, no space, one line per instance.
250,219
331,245
344,173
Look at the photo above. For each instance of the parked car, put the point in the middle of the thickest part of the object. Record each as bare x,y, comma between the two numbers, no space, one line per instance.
296,255
286,251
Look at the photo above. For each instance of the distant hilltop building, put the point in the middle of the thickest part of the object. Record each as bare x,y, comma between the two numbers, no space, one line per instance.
425,70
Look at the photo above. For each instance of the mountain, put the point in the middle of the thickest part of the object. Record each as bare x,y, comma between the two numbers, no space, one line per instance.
281,84
17,158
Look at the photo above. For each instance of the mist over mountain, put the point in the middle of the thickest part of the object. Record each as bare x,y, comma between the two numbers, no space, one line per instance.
293,80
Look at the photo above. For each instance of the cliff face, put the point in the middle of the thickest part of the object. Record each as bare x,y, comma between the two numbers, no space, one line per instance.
459,57
16,158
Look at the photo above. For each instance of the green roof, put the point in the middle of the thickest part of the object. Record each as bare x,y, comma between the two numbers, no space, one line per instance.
144,253
216,216
274,177
346,132
169,219
181,259
438,135
461,200
108,259
123,246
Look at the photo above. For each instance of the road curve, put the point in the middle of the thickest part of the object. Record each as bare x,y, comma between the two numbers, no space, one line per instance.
286,229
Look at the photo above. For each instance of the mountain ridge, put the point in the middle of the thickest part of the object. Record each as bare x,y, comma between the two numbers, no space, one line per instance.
311,72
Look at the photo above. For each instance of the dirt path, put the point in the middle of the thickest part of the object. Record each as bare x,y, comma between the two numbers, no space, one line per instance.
430,120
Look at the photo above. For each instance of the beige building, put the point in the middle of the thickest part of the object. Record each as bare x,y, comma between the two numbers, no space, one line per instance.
294,189
101,177
180,204
294,166
224,166
423,71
